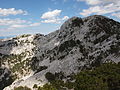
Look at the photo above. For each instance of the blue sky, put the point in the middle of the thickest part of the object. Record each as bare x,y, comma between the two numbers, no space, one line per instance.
44,16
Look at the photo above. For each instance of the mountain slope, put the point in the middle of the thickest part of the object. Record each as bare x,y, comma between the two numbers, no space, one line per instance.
80,43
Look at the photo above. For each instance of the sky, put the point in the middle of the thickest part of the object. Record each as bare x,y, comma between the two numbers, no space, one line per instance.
19,17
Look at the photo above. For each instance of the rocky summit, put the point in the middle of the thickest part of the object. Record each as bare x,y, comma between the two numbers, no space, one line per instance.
79,43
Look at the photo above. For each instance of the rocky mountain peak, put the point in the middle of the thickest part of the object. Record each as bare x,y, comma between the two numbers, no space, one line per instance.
101,22
72,22
79,43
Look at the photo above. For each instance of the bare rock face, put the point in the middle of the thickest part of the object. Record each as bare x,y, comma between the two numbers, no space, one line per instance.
80,43
72,22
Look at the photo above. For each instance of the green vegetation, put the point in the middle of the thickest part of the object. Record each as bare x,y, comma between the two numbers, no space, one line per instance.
57,85
17,60
47,87
24,35
49,76
77,22
35,86
6,78
41,68
104,77
22,88
53,77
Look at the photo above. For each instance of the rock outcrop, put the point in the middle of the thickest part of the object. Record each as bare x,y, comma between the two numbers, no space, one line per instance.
80,43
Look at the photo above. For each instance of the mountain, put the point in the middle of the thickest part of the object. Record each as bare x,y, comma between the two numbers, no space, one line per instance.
80,43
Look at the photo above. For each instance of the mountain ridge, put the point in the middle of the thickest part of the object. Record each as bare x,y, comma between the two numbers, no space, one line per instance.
80,43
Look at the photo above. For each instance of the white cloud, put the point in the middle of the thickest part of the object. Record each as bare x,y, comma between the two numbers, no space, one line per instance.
65,18
53,17
91,2
11,11
24,25
110,8
55,20
101,7
116,14
98,2
64,0
51,14
7,21
34,24
50,21
54,2
17,23
18,26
